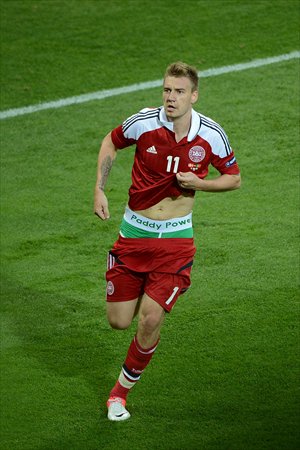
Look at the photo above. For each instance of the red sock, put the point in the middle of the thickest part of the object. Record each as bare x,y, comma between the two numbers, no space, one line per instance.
135,363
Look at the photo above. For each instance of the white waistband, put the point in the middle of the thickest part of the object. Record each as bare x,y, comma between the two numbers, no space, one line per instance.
160,226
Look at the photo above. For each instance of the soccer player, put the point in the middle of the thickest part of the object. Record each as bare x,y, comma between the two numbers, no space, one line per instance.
149,265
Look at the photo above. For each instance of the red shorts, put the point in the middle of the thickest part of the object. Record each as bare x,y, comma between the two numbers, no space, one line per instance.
159,267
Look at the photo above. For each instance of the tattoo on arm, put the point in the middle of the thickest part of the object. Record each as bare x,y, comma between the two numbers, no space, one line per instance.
105,169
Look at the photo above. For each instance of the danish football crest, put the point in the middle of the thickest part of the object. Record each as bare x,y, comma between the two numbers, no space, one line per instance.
197,154
110,288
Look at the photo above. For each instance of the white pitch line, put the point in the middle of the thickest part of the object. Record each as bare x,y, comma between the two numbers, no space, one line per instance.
99,95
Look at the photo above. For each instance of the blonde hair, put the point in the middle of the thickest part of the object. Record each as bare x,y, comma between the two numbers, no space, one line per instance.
180,69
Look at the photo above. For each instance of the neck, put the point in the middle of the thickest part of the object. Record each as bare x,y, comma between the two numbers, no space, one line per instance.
181,126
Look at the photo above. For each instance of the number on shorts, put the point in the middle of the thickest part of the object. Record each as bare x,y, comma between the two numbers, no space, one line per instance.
175,290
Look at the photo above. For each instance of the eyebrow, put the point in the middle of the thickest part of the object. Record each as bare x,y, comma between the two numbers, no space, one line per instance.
176,89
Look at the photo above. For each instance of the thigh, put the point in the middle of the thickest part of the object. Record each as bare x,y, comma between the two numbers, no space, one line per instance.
123,292
121,314
149,307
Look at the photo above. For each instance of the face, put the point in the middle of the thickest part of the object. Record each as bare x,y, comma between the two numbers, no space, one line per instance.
178,97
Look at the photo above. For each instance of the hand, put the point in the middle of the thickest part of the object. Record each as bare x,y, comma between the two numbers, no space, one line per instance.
101,204
188,180
225,182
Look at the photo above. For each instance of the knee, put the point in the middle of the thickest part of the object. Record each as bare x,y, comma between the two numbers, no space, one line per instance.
118,323
148,323
120,314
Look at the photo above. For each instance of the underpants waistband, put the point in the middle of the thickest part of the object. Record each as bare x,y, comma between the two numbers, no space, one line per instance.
135,225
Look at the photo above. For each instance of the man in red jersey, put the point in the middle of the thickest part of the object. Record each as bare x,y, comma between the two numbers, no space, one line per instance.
149,265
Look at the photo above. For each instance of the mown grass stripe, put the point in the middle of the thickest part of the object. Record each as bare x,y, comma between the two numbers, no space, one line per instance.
99,95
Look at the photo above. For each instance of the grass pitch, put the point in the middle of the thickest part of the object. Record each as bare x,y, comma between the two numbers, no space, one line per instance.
226,372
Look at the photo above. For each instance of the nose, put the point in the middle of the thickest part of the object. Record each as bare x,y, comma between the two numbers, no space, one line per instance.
171,97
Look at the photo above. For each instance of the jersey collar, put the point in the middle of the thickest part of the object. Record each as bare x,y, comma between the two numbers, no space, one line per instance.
195,125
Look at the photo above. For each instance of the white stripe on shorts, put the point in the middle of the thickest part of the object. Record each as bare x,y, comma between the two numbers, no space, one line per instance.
110,261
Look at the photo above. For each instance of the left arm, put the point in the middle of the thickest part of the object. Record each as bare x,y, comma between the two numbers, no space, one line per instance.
225,182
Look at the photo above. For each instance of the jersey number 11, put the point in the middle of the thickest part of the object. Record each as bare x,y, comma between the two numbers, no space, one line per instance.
173,162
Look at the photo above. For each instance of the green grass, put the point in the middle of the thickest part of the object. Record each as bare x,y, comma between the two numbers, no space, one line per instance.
57,48
226,372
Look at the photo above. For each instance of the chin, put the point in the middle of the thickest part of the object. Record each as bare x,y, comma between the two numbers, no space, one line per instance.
171,114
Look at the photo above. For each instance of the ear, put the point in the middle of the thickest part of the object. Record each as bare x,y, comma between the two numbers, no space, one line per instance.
194,97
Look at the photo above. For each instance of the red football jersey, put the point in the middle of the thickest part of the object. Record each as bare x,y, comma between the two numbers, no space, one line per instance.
158,157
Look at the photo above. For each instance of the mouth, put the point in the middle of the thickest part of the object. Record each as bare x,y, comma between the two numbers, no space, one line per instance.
170,108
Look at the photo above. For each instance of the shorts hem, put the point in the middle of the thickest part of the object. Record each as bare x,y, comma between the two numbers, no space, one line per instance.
167,308
115,300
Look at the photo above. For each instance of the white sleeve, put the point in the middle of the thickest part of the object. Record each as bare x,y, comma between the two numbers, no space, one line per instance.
136,125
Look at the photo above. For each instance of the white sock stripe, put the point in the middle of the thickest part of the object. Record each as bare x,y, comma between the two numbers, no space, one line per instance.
148,352
124,382
128,376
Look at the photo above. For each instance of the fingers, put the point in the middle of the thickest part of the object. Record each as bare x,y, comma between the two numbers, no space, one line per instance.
182,179
101,205
102,213
180,176
183,176
187,180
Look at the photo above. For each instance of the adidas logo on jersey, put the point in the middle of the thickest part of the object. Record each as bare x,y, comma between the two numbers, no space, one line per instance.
152,149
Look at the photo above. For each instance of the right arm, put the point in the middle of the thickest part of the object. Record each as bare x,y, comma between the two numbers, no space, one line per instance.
107,154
